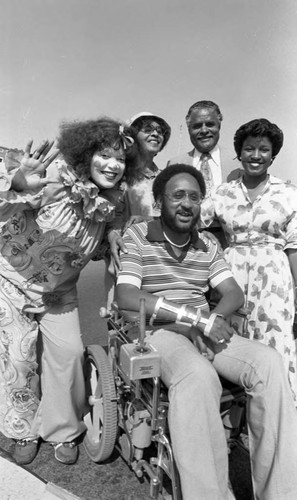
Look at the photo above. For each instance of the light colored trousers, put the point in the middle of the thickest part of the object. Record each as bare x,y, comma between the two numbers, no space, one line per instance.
196,428
60,412
58,416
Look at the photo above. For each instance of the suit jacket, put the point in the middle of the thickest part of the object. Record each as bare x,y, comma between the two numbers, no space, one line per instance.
229,166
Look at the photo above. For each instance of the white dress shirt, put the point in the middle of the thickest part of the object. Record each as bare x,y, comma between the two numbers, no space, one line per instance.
214,164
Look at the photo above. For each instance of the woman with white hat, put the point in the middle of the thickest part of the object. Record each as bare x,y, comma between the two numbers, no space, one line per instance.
152,135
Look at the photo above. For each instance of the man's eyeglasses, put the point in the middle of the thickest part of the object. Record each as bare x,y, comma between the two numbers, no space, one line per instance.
181,195
149,129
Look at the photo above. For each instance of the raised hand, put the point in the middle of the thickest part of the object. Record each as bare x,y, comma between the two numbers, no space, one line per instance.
32,171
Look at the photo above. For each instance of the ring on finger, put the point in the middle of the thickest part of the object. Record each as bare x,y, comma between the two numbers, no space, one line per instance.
221,341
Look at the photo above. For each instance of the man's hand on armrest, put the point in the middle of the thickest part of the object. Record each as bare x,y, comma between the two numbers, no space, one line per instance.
216,331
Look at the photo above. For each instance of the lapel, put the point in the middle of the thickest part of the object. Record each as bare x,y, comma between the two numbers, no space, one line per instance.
191,153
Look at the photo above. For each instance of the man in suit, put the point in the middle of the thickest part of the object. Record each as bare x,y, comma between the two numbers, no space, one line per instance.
204,120
204,123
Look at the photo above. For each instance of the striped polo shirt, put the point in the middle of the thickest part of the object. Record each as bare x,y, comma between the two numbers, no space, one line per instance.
151,265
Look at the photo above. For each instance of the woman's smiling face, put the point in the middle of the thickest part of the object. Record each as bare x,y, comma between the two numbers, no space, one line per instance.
256,155
151,136
107,167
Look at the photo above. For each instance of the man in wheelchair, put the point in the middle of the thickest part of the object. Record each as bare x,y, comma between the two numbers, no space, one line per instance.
171,265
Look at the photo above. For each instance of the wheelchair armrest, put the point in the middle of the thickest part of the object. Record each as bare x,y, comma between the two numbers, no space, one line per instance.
242,311
130,316
127,315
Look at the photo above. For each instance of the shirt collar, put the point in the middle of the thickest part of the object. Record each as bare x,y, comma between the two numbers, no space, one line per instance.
214,153
275,180
155,234
150,174
271,180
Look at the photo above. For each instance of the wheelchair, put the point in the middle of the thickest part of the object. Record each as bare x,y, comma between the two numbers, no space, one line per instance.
128,405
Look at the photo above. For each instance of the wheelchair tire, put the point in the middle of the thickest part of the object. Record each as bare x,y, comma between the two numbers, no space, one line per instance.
101,418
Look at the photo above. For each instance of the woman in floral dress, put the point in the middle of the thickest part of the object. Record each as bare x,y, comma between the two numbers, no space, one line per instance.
258,213
53,217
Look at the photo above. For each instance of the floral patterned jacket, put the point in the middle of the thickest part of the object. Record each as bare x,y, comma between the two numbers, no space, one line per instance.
47,237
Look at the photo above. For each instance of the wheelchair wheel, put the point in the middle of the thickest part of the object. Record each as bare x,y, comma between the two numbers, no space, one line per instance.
101,418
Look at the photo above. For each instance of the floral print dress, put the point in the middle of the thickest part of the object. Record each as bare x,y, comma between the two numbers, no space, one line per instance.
258,234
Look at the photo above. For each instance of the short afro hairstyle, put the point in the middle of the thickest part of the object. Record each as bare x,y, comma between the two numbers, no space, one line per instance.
259,127
165,175
80,140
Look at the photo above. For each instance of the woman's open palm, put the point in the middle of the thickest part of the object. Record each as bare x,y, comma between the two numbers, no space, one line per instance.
32,171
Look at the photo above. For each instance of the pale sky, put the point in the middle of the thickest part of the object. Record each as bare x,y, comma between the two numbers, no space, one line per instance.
80,59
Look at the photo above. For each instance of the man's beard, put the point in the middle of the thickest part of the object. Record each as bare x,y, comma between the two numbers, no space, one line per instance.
170,220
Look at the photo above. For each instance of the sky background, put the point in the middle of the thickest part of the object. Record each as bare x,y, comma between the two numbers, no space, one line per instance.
80,59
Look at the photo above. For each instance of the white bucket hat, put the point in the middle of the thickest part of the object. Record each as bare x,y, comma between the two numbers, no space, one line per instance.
132,122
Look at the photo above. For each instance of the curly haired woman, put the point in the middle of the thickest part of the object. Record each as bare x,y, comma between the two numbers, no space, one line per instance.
53,217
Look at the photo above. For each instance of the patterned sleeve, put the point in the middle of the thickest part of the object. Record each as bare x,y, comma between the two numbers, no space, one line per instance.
219,269
291,226
131,261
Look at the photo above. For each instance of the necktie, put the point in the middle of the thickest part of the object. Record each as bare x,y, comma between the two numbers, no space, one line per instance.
206,172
